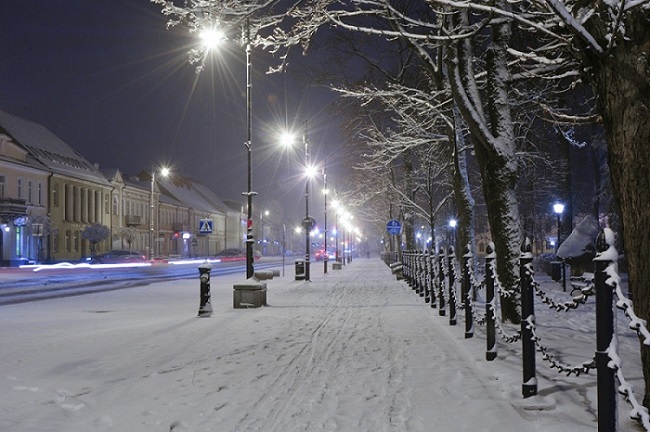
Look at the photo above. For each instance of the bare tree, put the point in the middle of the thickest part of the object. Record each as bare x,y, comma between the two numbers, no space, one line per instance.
128,234
95,234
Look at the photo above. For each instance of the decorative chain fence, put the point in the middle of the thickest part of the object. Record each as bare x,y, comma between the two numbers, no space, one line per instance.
436,278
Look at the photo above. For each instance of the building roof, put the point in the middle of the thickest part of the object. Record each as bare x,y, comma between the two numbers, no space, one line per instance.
49,150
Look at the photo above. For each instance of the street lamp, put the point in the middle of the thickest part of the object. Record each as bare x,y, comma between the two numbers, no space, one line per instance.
211,39
558,208
287,139
164,172
325,191
452,225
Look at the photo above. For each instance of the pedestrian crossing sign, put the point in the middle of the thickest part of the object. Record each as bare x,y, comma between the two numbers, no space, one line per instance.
205,226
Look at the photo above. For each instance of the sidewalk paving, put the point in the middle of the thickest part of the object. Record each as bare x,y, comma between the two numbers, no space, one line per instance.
352,350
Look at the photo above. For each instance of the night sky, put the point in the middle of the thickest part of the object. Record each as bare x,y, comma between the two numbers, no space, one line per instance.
114,83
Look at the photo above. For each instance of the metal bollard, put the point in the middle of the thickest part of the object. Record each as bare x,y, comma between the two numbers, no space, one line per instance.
491,351
205,307
426,268
441,282
604,332
467,292
432,278
529,385
452,281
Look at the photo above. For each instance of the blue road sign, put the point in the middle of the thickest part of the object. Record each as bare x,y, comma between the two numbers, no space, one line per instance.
205,226
394,227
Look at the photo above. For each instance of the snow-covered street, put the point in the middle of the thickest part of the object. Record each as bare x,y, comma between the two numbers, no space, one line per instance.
353,350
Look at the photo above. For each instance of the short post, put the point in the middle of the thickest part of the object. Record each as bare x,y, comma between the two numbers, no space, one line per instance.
421,273
467,292
432,278
425,276
604,332
452,280
491,351
441,282
205,307
529,385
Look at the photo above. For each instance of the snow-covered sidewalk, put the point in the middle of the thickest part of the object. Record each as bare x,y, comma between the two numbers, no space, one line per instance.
352,350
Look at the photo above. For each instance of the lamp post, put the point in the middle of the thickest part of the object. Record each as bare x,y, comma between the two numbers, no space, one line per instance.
164,172
287,139
558,208
212,38
452,225
325,220
307,184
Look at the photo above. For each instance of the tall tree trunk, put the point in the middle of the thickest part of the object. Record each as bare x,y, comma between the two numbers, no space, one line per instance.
493,136
409,191
621,81
462,191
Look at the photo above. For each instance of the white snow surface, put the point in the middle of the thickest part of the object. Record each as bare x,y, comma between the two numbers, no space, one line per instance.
352,350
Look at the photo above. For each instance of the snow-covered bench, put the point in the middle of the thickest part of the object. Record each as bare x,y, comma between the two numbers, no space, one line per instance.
578,283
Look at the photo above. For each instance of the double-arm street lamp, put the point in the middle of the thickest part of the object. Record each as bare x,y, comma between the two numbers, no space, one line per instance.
152,225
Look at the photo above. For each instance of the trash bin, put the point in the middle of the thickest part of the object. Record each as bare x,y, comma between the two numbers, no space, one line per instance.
300,270
556,270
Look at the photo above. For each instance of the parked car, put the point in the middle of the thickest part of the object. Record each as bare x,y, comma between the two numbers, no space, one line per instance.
119,256
231,254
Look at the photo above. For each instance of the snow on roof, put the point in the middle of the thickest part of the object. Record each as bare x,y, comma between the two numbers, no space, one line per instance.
191,194
49,149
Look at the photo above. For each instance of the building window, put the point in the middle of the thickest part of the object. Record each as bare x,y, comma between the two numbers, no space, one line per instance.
66,240
76,241
107,201
55,195
29,191
40,193
20,188
55,243
2,186
116,206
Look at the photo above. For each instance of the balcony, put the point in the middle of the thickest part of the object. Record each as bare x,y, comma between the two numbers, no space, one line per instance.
11,208
133,220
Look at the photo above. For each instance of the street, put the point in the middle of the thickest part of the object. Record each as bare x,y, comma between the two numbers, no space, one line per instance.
20,285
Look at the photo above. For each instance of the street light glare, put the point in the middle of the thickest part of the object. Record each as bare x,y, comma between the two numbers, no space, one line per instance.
164,172
311,171
287,139
212,38
558,208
